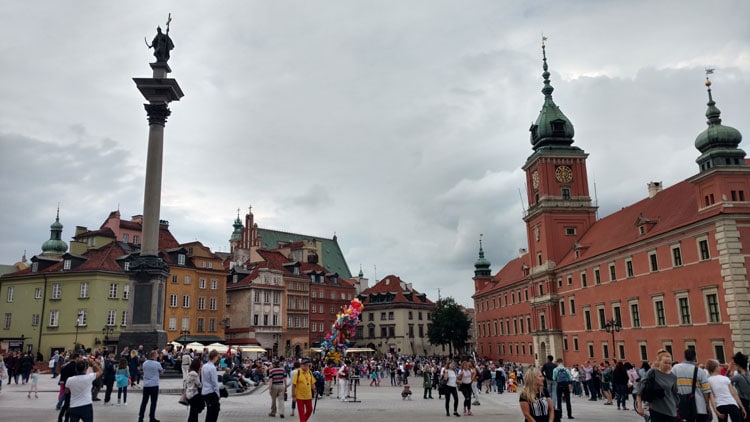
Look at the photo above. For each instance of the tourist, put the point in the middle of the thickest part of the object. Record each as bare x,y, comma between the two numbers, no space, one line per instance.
547,370
210,387
54,362
620,385
662,409
343,376
741,380
466,378
295,369
303,391
79,388
427,381
122,378
536,406
451,386
134,365
562,378
185,364
684,372
63,402
725,400
606,382
193,390
151,372
109,377
34,387
277,388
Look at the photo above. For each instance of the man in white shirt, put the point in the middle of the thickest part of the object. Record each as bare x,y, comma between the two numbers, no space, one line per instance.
79,387
152,369
343,376
210,387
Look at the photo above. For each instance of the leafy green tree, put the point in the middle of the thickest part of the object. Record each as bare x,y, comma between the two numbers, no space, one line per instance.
450,325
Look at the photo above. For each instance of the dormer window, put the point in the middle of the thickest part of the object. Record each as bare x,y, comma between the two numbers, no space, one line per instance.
558,127
66,264
126,266
34,267
234,279
181,259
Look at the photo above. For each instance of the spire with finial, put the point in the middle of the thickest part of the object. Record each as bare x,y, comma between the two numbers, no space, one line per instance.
719,143
55,245
237,233
552,129
482,265
361,274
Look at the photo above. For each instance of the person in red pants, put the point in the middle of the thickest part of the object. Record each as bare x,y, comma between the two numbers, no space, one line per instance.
303,390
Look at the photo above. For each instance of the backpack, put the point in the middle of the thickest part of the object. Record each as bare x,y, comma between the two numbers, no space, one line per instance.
649,389
562,375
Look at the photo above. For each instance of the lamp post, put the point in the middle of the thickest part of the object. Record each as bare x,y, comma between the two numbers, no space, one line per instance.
107,331
184,334
613,327
78,324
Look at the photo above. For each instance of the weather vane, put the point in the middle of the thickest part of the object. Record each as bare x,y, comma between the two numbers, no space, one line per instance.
709,71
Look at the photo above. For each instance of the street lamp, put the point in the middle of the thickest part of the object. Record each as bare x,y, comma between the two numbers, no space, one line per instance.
613,327
184,334
78,324
107,331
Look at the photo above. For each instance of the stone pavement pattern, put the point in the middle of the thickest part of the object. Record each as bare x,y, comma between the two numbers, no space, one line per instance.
377,404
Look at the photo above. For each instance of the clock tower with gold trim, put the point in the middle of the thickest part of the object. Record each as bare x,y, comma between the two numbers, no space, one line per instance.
560,212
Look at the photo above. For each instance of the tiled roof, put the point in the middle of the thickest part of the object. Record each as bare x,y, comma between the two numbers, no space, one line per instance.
668,210
332,257
102,259
392,289
106,232
509,274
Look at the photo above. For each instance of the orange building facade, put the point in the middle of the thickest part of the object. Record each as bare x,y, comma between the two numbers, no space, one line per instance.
668,271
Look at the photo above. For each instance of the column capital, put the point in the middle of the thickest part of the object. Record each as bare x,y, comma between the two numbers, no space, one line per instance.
157,113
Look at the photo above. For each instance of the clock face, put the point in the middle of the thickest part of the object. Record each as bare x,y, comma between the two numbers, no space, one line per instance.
535,180
563,174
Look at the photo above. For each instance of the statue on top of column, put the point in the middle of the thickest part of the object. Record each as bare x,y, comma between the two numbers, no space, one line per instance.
162,44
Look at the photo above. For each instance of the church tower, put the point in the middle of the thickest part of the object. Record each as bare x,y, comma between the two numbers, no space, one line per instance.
482,271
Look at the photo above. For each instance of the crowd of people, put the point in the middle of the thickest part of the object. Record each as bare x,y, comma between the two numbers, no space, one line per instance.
660,391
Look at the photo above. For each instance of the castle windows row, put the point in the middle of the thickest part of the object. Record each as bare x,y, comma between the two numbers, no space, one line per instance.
200,327
505,299
654,265
186,302
56,292
82,321
499,327
681,311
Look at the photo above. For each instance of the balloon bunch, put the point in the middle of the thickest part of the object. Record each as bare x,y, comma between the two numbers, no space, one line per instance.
343,330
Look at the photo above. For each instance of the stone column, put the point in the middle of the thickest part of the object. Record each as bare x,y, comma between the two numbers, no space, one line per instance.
735,283
148,272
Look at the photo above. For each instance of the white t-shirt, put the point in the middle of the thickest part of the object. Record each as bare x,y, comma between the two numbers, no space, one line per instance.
80,389
720,388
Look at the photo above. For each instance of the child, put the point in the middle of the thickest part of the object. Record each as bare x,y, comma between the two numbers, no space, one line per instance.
122,377
406,394
34,383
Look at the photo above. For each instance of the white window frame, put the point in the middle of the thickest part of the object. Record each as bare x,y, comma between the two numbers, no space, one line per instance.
202,283
126,291
38,293
111,317
54,318
56,291
172,324
186,301
113,288
84,293
212,304
124,319
11,293
707,292
173,300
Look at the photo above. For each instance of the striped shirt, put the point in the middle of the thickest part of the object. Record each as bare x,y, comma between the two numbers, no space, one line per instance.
277,375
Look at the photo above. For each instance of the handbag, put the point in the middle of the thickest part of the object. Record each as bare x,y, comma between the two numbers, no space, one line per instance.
686,406
184,400
223,392
650,391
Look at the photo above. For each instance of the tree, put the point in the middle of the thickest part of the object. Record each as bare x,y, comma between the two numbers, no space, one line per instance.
450,325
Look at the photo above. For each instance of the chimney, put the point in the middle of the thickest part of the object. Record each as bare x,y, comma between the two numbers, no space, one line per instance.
654,188
521,252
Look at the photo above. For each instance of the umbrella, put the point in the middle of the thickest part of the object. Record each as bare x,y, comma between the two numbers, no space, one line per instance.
251,349
221,348
194,345
175,344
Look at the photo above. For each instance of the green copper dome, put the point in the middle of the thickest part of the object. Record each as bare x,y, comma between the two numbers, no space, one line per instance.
55,245
718,144
552,129
237,233
482,265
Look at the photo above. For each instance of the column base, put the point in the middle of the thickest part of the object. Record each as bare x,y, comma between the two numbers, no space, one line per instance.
151,339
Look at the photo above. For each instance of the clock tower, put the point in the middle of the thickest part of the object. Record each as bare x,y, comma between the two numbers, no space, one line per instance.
560,208
560,212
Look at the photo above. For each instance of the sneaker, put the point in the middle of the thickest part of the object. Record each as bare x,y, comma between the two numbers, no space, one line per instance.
281,416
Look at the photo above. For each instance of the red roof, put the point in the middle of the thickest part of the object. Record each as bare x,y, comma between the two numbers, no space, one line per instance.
401,292
666,211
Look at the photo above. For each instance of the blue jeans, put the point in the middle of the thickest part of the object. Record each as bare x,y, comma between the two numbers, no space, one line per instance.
149,393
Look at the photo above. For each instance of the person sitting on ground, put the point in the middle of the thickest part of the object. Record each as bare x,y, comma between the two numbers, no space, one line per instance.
406,393
230,382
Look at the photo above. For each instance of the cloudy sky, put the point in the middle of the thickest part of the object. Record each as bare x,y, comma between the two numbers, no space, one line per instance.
401,126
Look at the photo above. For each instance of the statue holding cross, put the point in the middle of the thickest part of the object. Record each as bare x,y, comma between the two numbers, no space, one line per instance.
162,44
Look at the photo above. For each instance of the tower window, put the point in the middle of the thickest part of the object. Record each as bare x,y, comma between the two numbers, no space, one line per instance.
570,231
565,193
558,127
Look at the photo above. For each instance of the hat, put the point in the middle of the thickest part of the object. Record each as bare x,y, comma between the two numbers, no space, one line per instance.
305,361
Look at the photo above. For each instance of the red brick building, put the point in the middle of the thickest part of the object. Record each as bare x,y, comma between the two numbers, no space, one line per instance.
670,269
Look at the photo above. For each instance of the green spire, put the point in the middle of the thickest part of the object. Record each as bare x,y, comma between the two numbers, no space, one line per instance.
237,233
361,274
55,245
482,265
552,129
718,144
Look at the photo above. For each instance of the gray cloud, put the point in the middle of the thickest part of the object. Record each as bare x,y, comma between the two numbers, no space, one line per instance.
400,126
